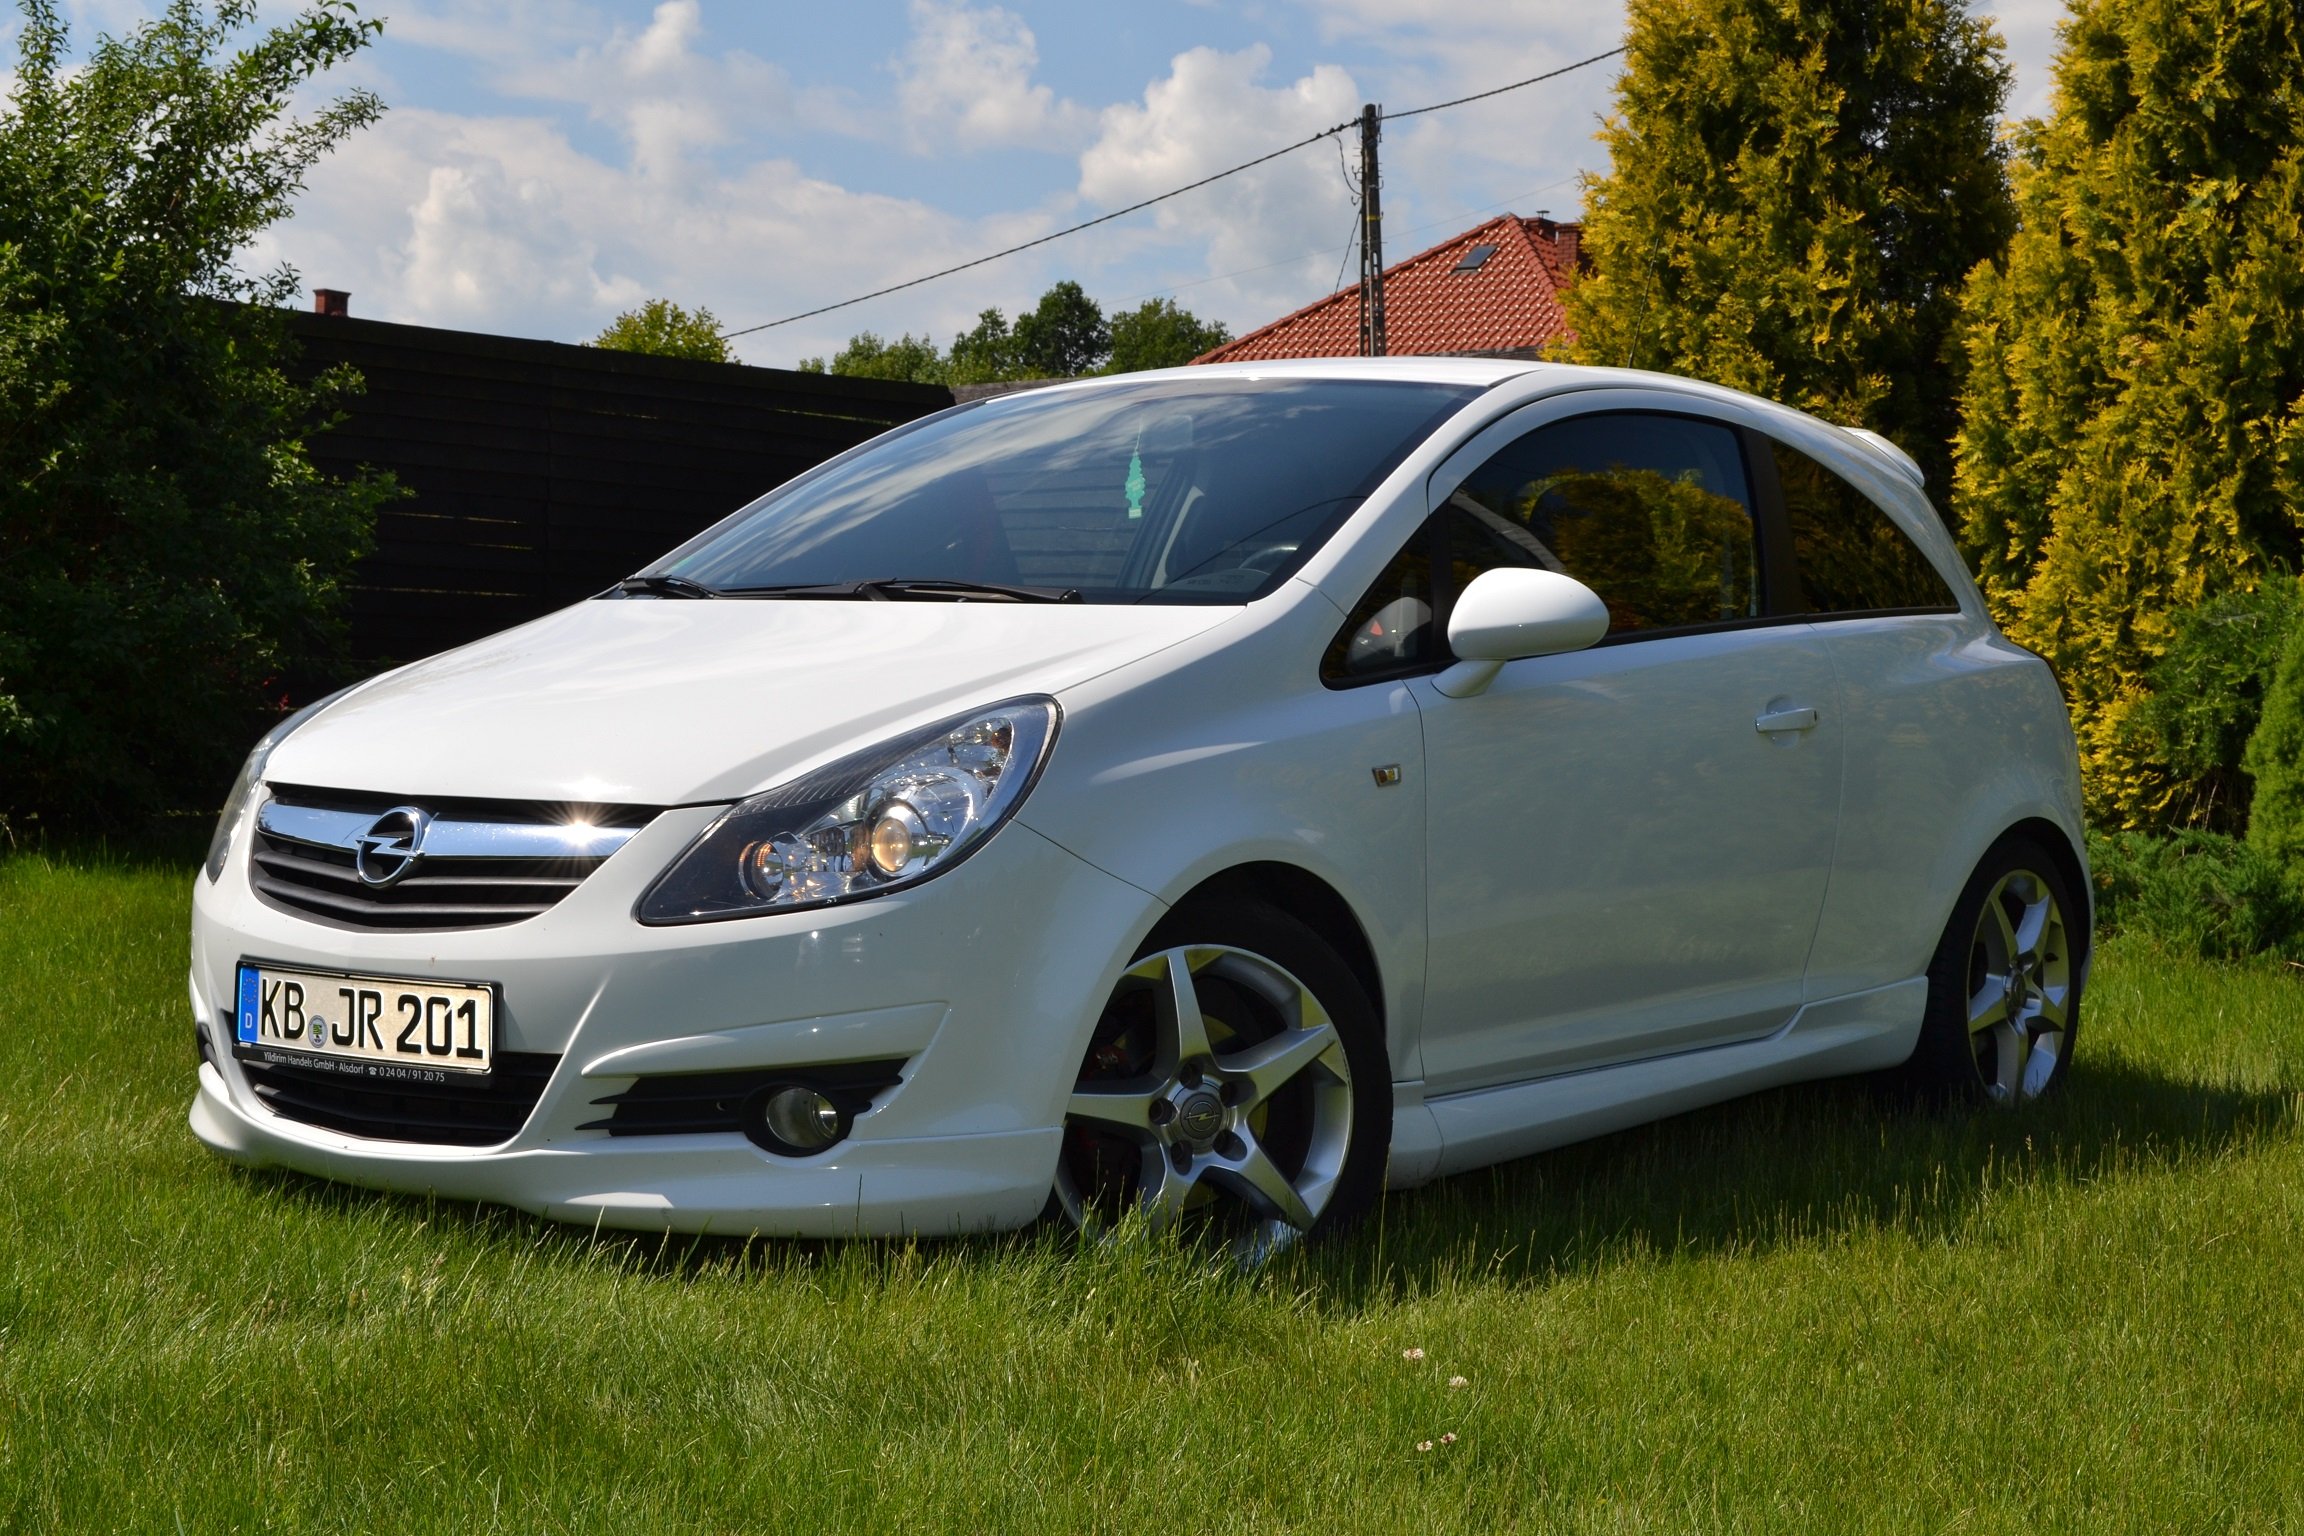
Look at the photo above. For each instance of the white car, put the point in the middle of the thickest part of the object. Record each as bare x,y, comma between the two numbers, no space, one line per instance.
1230,791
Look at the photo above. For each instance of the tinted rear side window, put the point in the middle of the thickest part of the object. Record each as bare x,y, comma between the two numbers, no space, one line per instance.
1851,557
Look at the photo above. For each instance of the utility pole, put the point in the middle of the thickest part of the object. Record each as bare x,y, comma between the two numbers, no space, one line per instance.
1371,236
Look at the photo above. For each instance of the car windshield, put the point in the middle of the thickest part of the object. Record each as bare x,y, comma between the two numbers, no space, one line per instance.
1190,491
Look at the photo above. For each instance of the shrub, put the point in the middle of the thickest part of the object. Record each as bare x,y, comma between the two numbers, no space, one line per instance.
2207,694
2196,893
168,553
2276,759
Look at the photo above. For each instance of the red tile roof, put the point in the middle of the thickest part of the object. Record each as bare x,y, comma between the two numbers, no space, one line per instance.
1510,302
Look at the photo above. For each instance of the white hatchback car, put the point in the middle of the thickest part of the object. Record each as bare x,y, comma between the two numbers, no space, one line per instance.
1229,791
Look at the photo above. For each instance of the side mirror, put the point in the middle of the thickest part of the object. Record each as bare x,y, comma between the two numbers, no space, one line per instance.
1508,614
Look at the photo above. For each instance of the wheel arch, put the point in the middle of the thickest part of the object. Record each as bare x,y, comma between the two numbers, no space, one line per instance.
1303,895
2070,864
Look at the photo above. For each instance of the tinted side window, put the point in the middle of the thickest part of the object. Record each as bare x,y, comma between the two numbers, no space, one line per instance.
1852,558
1654,513
1390,631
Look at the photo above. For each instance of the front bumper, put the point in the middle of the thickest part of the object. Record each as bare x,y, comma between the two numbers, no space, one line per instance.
984,981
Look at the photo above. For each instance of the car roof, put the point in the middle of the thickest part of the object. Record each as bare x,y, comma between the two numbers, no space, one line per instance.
1538,378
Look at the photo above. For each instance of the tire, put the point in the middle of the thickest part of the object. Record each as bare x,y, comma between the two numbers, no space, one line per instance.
1235,1085
2004,985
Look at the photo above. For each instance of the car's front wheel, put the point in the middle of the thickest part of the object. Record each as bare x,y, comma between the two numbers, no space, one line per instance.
2004,986
1235,1081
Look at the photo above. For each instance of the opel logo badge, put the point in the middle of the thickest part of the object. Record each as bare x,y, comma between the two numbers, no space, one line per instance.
390,847
1201,1117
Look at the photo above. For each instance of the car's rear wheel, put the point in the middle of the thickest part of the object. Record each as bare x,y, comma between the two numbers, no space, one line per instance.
2004,987
1235,1084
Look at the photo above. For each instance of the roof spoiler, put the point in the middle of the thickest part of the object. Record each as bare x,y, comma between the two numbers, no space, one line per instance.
1896,456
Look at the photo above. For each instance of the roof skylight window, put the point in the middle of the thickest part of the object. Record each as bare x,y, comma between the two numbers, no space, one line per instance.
1475,256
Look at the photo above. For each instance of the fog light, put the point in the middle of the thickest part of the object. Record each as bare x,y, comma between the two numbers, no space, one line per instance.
794,1120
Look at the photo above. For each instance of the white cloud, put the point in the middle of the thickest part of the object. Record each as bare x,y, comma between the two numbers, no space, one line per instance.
1210,112
500,224
965,82
668,94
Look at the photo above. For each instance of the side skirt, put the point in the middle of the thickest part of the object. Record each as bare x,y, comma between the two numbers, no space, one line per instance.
1859,1032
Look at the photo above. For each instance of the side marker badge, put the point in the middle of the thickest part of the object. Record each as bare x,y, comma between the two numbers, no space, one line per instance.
1386,776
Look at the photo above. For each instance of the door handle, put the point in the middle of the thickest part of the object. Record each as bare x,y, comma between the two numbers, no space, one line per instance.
1785,720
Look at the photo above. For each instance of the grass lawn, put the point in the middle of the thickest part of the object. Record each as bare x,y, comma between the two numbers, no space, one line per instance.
1795,1312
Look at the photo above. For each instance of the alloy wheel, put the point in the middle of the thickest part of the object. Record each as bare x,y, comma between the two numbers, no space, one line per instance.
2019,988
1216,1089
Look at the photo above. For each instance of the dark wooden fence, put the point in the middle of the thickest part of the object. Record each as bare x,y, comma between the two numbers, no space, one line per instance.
541,472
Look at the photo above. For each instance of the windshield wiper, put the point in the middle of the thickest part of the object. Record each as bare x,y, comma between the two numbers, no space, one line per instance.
962,591
896,589
666,586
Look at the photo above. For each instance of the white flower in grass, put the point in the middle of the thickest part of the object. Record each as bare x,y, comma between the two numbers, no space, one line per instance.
1458,1381
1411,1354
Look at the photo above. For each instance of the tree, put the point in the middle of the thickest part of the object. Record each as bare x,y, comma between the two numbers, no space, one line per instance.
662,328
1159,333
167,551
2133,441
910,358
1063,337
986,353
1797,190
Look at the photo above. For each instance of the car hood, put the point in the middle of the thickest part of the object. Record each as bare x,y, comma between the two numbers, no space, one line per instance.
672,702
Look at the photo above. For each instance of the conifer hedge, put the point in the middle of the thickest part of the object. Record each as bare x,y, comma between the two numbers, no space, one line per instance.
2133,418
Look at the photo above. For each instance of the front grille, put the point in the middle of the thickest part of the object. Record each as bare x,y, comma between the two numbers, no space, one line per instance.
305,858
441,1114
691,1103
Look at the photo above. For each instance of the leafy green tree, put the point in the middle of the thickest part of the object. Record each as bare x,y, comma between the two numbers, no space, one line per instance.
1064,336
2133,436
1797,190
662,328
1160,333
168,554
985,353
910,358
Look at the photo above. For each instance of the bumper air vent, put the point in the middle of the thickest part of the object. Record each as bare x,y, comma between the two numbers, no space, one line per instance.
443,1115
694,1103
371,861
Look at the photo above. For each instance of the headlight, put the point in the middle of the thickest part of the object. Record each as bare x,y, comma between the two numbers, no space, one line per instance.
903,812
251,775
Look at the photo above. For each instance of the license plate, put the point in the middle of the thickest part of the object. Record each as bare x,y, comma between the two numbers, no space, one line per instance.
366,1026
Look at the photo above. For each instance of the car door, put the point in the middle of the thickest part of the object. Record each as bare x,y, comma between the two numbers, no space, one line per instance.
1627,847
1911,682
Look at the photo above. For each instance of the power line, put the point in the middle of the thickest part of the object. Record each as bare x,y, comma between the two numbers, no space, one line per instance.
1044,239
1500,90
1245,165
1347,246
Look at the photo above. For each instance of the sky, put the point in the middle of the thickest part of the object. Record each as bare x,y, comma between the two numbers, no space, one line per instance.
546,164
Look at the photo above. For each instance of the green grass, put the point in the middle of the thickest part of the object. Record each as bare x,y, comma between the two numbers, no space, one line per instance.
1797,1312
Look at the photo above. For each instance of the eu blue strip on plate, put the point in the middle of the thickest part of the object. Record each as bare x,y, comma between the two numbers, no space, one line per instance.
248,983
